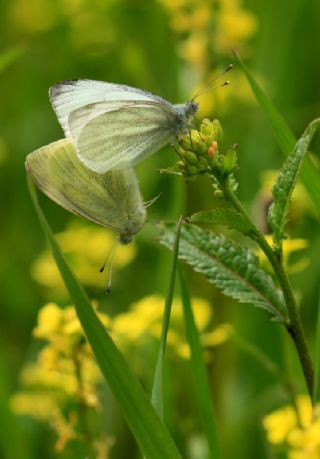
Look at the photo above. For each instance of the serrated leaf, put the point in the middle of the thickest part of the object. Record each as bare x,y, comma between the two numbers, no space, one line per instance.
310,176
285,183
231,267
225,217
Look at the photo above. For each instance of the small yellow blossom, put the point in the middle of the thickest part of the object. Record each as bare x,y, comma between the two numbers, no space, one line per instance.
302,441
289,246
205,29
38,405
40,18
300,200
85,247
143,321
64,373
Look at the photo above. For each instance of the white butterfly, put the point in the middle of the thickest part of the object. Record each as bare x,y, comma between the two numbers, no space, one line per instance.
112,199
115,126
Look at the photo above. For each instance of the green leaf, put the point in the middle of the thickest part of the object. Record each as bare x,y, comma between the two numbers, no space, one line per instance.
202,392
9,56
316,391
153,438
231,267
157,389
225,217
310,175
285,183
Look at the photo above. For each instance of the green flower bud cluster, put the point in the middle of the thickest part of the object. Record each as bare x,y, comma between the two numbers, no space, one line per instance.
199,153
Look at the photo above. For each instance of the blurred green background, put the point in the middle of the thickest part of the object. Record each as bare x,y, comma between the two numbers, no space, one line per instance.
171,49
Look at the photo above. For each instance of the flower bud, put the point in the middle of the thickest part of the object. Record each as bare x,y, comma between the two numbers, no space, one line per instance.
212,149
185,143
191,158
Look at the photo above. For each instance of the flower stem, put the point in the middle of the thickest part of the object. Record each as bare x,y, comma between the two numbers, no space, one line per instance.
294,324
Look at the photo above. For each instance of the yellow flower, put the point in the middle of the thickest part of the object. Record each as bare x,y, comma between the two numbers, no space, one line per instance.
41,17
303,442
205,29
85,247
143,321
38,405
279,424
289,246
234,27
300,200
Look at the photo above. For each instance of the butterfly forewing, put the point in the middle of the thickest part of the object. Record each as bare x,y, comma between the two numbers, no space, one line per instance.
121,138
112,199
69,95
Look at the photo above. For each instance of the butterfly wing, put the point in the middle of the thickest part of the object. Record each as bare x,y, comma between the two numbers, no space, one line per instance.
112,200
120,138
70,95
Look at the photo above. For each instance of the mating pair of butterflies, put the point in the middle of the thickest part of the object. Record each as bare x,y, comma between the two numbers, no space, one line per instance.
109,128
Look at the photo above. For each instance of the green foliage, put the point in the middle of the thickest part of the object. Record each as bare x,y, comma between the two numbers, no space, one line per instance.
202,389
151,435
157,388
316,391
285,183
9,56
309,175
232,268
225,217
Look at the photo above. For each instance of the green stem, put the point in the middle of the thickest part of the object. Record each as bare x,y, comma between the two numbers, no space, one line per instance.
294,324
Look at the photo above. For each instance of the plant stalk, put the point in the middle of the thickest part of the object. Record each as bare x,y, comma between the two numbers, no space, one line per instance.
294,324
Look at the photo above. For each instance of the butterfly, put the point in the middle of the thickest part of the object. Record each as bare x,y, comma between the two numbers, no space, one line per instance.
111,199
115,126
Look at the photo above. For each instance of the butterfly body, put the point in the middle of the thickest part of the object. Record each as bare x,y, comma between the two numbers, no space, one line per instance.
115,126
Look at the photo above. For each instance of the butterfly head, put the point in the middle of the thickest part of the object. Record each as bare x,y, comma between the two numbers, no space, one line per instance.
191,108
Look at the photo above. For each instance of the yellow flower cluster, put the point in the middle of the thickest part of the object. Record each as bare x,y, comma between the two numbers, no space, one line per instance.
89,23
143,322
63,380
85,247
302,438
206,30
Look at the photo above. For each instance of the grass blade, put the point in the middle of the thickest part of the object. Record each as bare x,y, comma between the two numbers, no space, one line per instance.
203,394
152,437
9,56
316,392
310,176
157,389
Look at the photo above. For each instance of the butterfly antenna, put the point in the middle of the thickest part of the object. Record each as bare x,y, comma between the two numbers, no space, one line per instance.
208,87
151,201
114,245
110,280
110,266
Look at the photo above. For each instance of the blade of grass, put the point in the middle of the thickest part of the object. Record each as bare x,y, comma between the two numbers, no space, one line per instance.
203,393
316,392
9,56
152,436
157,389
310,176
